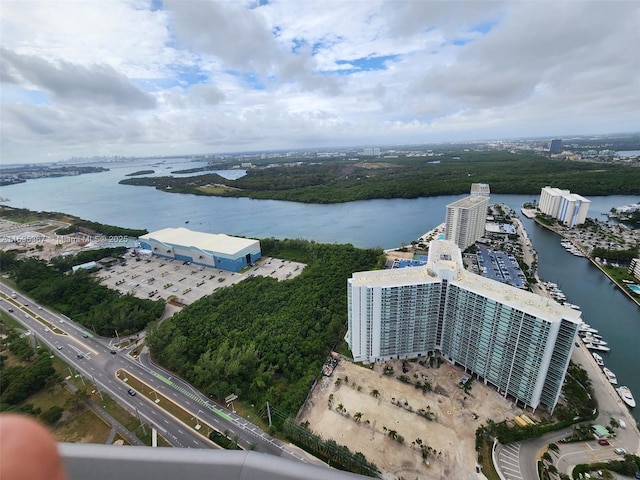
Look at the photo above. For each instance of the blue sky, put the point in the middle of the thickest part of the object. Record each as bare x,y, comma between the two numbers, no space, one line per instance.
151,77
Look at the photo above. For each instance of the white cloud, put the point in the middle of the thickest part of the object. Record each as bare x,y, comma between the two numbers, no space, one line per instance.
67,82
195,76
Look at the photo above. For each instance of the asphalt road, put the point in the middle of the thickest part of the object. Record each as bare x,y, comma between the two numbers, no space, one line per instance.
91,356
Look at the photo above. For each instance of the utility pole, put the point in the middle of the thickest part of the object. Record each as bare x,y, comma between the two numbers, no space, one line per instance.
97,387
144,431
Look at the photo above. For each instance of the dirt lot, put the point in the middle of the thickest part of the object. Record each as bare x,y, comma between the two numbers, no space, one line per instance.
451,434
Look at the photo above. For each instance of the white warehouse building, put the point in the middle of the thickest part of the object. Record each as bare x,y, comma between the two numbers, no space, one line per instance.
515,340
208,249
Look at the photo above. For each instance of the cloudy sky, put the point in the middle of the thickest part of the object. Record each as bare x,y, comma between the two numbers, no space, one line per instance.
166,77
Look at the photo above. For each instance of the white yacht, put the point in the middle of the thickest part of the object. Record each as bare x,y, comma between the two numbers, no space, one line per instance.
610,376
599,348
626,396
597,358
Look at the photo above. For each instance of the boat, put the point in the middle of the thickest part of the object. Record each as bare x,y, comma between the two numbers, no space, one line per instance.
626,396
585,327
600,348
610,376
588,335
597,358
594,340
571,305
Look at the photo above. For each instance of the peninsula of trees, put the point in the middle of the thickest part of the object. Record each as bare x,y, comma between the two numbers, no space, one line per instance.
345,180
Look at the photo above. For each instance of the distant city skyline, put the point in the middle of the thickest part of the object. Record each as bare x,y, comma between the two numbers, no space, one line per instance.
143,78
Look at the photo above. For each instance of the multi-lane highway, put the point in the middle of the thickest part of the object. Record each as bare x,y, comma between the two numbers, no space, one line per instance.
98,360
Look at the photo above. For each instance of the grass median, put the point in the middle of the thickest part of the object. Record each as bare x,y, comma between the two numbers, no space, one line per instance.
186,417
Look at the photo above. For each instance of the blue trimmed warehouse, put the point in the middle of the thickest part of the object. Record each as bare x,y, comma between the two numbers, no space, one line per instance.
208,249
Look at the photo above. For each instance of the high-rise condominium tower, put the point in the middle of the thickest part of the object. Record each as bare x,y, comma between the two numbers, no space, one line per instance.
515,340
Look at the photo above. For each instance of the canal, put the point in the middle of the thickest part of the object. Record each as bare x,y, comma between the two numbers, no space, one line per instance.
604,306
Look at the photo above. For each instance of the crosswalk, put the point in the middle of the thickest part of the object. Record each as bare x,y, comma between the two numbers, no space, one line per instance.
509,462
196,398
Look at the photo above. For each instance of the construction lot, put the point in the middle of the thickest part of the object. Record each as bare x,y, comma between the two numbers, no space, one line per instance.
183,282
354,416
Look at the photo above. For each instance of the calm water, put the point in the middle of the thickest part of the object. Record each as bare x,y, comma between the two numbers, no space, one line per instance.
372,223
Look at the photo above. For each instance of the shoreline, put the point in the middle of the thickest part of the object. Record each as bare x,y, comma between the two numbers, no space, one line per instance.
560,234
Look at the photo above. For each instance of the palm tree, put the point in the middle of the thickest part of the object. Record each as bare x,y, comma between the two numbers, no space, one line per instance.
357,416
546,457
554,447
375,393
467,385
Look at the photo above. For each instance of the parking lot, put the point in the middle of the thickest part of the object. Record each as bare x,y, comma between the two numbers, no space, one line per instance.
182,282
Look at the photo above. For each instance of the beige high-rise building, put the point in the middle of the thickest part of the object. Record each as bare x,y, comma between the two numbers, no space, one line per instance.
466,219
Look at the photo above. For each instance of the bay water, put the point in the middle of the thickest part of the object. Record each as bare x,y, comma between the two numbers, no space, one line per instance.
371,223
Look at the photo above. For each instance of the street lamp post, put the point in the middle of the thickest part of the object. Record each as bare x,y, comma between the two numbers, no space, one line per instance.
198,426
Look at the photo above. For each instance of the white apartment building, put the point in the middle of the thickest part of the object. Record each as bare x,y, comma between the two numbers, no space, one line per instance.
567,207
515,340
550,198
480,190
573,209
371,151
465,220
634,268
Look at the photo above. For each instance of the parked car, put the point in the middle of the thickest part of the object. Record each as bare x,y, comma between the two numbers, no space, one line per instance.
603,441
620,451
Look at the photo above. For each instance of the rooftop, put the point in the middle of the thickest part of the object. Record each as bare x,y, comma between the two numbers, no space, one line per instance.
469,202
445,260
522,300
211,242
